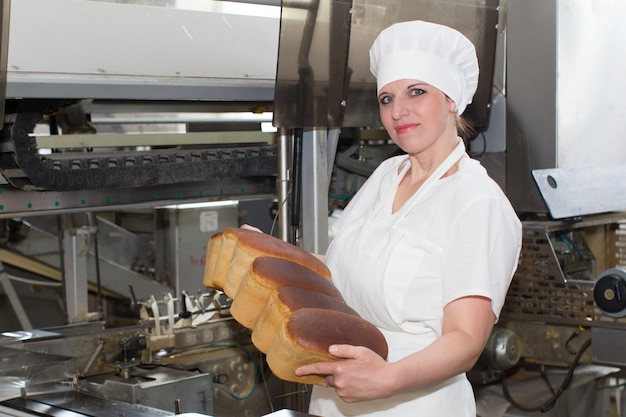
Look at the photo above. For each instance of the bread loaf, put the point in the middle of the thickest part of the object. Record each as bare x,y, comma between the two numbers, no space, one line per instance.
266,274
212,253
216,273
285,295
282,303
250,246
306,335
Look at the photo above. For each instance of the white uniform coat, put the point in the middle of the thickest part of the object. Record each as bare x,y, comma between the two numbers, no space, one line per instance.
456,236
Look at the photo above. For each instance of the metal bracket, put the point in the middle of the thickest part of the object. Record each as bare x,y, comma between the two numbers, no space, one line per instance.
571,192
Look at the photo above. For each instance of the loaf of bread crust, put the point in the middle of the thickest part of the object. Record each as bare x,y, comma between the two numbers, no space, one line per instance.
250,246
306,336
265,275
216,272
284,294
282,303
212,254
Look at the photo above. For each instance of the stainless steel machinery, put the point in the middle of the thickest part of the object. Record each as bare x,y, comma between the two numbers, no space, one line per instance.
111,131
563,173
117,116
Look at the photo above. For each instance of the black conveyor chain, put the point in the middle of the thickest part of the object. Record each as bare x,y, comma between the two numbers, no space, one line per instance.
24,168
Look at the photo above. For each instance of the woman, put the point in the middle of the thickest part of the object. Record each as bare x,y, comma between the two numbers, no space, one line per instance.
427,248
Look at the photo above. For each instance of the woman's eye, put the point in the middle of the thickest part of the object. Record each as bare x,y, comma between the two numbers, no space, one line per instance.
385,99
416,92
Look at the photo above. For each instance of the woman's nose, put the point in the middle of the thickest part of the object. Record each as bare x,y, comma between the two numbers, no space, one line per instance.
399,109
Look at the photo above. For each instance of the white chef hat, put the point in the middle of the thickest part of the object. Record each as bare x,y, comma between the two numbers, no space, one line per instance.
429,52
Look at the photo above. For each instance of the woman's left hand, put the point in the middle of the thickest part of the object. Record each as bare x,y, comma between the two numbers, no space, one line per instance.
361,375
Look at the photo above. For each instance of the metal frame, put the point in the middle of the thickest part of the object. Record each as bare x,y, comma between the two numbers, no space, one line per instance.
159,53
319,148
14,299
5,10
552,120
17,203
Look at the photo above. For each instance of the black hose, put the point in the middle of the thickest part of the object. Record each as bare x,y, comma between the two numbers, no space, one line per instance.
549,404
296,185
355,166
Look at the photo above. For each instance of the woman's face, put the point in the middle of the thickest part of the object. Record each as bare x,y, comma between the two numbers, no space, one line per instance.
416,114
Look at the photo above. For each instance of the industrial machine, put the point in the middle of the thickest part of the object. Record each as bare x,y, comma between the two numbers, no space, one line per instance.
564,310
133,130
125,145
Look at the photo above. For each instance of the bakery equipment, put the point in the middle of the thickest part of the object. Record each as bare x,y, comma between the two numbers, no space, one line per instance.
199,362
169,108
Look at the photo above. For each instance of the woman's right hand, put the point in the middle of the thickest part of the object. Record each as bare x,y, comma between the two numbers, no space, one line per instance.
362,374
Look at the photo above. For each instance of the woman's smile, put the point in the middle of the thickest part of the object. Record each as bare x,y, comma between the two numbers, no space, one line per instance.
405,128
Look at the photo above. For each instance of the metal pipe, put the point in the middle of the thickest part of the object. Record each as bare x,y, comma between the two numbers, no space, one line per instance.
282,186
14,299
5,11
93,225
93,357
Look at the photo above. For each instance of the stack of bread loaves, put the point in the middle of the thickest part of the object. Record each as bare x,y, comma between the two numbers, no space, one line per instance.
285,296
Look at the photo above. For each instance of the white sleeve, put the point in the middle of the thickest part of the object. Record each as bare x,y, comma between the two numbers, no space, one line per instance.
483,251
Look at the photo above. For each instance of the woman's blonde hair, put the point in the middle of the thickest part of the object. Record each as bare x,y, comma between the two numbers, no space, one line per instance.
465,129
